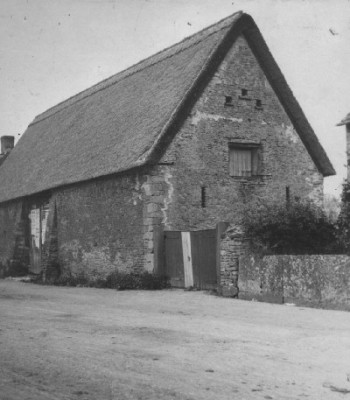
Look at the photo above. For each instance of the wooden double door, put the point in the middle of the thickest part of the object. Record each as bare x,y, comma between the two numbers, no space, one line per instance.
190,258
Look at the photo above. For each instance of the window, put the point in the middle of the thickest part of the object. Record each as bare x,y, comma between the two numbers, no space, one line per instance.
258,104
287,195
203,197
244,95
228,101
243,159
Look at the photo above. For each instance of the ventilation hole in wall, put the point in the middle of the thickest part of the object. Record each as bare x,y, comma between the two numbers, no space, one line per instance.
203,197
258,104
287,195
244,92
228,101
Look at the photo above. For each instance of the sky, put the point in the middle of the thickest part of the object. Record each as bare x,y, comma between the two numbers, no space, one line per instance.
53,49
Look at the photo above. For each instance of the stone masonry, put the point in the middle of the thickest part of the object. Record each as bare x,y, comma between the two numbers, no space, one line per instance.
100,226
198,157
316,280
230,248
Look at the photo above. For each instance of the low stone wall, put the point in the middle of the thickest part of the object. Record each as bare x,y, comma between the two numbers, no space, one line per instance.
321,281
313,280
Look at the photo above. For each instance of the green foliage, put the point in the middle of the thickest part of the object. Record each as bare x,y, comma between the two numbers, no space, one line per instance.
115,280
299,228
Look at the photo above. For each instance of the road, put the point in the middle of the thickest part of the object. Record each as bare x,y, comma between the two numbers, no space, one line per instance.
96,344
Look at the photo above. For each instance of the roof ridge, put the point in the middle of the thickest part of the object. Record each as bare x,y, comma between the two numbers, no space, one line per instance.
119,76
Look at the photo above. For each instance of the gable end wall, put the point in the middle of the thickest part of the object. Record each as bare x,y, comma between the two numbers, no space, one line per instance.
199,157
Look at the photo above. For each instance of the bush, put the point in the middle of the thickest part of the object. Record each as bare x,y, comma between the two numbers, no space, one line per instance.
300,228
115,280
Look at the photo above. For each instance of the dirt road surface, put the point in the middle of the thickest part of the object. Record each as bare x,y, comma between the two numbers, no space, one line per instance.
96,344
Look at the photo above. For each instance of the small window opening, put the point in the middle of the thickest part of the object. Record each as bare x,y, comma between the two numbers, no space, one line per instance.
244,95
287,196
228,101
203,197
258,103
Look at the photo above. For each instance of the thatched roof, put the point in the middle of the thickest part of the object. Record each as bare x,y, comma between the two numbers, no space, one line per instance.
127,120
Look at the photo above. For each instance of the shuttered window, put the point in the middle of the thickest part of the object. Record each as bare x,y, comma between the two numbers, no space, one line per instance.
243,161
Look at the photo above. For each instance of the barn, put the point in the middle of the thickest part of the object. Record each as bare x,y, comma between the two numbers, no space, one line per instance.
176,143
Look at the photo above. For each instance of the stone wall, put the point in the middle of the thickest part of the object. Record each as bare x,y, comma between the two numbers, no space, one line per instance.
313,280
156,194
321,280
100,226
230,247
93,228
111,223
200,190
